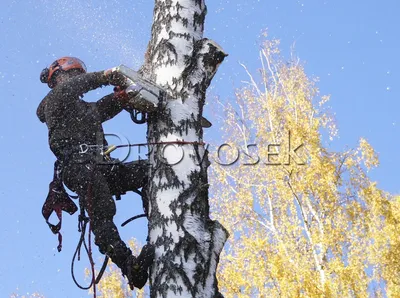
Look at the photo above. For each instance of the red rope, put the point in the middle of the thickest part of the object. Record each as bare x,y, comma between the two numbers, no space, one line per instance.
89,197
91,261
162,143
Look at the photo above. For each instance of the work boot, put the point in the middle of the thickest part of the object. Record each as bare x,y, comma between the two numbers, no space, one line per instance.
136,269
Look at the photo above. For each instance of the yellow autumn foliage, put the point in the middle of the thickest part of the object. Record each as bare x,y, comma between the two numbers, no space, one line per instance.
114,285
304,223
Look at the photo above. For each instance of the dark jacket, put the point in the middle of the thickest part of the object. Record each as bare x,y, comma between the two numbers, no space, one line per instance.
72,121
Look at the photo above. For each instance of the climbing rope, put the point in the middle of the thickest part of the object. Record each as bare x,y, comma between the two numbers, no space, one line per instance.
132,219
82,223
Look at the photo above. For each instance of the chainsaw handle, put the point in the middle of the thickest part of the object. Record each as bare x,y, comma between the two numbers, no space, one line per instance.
135,116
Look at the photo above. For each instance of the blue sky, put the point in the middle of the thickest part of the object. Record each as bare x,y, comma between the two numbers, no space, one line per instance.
352,46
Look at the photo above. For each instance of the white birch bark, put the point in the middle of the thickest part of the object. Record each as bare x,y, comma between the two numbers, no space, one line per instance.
188,243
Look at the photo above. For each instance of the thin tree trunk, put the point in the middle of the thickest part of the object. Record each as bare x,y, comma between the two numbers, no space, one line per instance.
188,243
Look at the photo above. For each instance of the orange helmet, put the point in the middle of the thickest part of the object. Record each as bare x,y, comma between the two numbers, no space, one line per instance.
63,64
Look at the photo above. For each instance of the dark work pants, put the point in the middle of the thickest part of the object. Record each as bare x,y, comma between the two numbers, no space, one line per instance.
95,184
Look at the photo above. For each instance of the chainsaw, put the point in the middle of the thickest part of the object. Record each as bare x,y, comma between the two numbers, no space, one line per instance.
145,95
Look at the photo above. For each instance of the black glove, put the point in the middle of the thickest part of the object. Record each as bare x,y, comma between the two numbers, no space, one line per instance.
115,78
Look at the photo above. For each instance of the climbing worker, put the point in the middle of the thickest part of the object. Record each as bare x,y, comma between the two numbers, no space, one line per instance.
73,123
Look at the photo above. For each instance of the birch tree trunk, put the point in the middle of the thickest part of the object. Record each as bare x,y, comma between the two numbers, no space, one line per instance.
188,243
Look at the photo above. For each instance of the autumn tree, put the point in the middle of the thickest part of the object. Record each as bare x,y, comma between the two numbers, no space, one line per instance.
305,221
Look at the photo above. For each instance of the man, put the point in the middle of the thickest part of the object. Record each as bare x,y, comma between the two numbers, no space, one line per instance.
73,123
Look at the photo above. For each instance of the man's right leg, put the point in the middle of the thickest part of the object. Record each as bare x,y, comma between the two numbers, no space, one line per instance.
104,209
